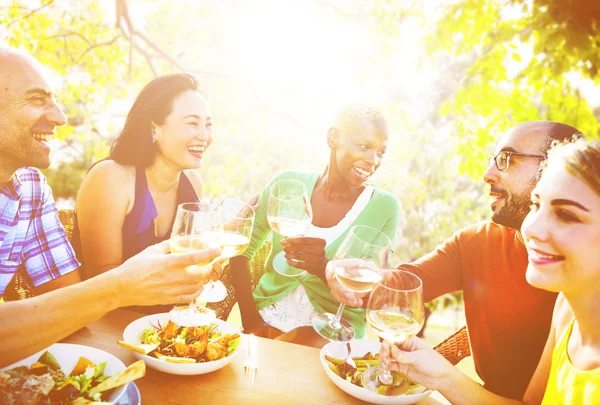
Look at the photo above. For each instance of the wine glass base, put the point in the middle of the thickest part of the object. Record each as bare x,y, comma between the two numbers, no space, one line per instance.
213,292
322,325
282,267
374,380
188,316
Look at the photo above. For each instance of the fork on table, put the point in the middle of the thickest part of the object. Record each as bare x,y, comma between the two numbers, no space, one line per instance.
251,363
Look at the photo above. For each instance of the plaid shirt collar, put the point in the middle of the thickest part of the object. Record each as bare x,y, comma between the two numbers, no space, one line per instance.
12,189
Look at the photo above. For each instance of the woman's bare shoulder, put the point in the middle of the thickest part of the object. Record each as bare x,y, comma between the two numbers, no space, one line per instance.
195,178
108,181
111,170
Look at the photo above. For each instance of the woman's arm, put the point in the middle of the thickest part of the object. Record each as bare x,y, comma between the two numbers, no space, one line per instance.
242,284
426,366
561,319
103,201
149,278
432,370
240,265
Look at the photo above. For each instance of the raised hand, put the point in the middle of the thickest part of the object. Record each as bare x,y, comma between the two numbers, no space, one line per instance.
339,292
154,276
419,361
306,253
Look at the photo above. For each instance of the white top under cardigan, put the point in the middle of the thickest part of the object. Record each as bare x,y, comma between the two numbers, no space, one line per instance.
295,309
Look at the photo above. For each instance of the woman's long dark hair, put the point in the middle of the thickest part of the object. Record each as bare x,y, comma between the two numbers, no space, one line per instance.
134,144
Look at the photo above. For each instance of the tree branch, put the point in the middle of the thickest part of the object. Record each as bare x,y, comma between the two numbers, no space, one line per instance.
32,12
98,45
124,17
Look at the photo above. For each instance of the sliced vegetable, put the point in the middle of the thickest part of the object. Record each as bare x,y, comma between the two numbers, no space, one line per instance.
38,368
48,359
81,366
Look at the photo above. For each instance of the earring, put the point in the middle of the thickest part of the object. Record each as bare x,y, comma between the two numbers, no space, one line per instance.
153,135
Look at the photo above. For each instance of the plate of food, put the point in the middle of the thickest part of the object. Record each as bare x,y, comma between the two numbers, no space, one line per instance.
174,349
365,353
67,374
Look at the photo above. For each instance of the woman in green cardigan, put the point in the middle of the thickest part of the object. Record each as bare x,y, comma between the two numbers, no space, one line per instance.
340,198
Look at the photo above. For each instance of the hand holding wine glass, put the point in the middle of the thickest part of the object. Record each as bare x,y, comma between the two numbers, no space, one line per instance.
416,358
289,214
396,313
357,265
197,226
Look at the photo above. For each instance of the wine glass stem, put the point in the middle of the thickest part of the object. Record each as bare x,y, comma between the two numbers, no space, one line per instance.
385,377
335,324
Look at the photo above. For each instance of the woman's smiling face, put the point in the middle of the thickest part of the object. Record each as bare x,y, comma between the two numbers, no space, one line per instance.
187,131
562,232
359,151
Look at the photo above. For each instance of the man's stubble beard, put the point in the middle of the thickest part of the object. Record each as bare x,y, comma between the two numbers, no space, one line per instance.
515,209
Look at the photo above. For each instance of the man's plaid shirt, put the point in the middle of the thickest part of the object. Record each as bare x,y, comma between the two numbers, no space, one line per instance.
32,239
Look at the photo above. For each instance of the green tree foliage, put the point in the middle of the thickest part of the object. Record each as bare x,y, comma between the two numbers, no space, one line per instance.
529,57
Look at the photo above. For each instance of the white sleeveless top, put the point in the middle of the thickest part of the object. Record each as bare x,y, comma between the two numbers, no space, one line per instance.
295,309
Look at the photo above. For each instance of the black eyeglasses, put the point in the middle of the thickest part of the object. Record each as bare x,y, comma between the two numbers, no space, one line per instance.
502,159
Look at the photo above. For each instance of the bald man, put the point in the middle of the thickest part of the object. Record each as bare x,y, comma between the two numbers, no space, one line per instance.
508,320
33,242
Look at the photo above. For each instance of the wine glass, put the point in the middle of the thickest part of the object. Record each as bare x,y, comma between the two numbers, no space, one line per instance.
396,313
289,214
357,266
197,226
237,219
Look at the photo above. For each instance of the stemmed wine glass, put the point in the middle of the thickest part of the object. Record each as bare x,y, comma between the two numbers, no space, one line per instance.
289,214
197,226
237,220
396,313
357,266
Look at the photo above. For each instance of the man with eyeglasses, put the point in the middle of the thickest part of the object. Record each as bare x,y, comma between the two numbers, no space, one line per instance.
508,320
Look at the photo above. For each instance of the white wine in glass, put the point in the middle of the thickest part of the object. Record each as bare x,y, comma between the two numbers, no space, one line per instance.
358,279
188,243
289,214
357,265
237,222
237,218
393,326
396,313
234,244
197,226
288,227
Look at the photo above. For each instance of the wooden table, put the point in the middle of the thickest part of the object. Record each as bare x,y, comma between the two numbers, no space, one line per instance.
287,374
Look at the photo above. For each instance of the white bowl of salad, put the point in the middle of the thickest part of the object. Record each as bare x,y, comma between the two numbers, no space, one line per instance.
61,374
181,350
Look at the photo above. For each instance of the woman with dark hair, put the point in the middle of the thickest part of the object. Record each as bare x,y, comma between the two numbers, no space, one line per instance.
128,201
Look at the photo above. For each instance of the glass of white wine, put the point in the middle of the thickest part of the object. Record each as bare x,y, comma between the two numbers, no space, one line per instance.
357,266
396,313
197,226
289,214
237,219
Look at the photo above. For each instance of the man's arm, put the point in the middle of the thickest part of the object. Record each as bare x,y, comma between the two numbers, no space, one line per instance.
28,326
150,278
71,278
440,270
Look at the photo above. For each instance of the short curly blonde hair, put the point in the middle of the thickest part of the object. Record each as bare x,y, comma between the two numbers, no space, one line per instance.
354,116
580,157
